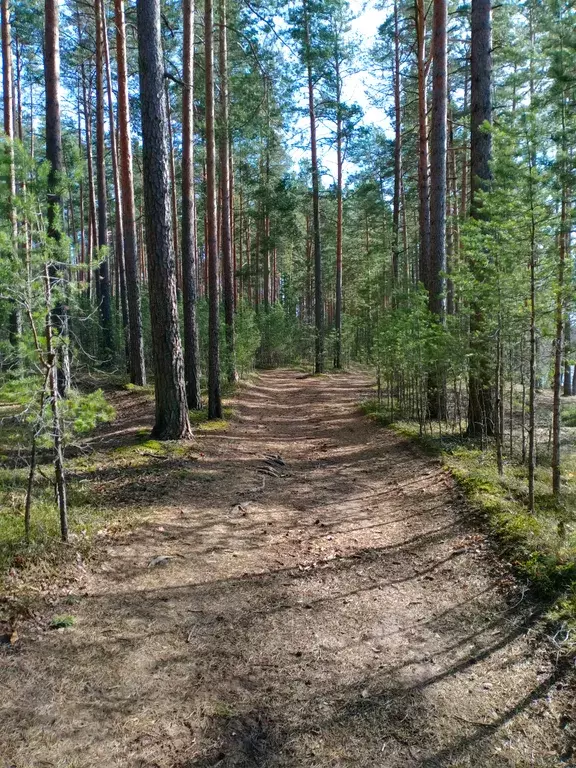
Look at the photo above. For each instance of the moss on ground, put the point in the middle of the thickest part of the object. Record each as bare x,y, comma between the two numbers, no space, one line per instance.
109,489
540,547
201,422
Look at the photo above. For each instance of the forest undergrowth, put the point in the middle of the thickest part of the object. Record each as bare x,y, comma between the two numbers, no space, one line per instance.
100,468
540,547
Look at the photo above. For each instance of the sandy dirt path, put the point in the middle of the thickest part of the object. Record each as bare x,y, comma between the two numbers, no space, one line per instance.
337,609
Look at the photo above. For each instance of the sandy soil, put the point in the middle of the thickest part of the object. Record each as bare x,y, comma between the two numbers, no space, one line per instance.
335,607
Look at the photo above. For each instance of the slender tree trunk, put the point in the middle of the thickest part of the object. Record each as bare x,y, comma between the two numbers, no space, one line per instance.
103,271
318,305
90,172
189,252
340,209
397,150
266,220
240,290
57,431
15,320
567,388
137,365
214,398
257,253
499,404
226,235
438,156
118,221
173,195
59,319
423,177
266,262
533,346
232,226
559,345
7,80
248,264
19,126
170,391
82,275
480,400
464,188
453,244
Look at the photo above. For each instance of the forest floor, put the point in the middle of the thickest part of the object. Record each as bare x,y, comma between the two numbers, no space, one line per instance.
337,606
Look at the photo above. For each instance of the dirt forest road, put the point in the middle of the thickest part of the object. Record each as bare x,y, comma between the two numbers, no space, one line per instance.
336,607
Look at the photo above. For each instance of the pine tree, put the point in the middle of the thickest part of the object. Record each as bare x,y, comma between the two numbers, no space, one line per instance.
171,421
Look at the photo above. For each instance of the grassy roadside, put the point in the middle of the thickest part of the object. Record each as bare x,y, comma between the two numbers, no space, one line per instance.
541,548
112,485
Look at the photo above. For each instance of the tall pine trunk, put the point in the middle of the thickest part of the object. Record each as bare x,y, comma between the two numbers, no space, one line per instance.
102,270
480,382
54,155
189,252
118,221
15,319
92,238
214,398
339,208
170,392
318,305
397,150
173,191
226,235
423,175
438,157
560,322
533,342
137,365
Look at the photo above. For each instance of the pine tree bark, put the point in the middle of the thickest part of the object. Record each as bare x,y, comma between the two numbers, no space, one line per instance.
18,126
397,150
170,392
226,234
15,319
189,252
423,174
118,220
559,339
533,344
92,237
214,397
102,271
480,383
567,388
318,300
59,319
137,364
339,207
173,195
438,157
8,85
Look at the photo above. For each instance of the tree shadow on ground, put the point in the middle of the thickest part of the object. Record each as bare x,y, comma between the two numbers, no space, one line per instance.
349,616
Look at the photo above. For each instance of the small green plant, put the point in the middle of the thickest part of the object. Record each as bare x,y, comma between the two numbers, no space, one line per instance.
62,622
84,412
222,709
569,416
